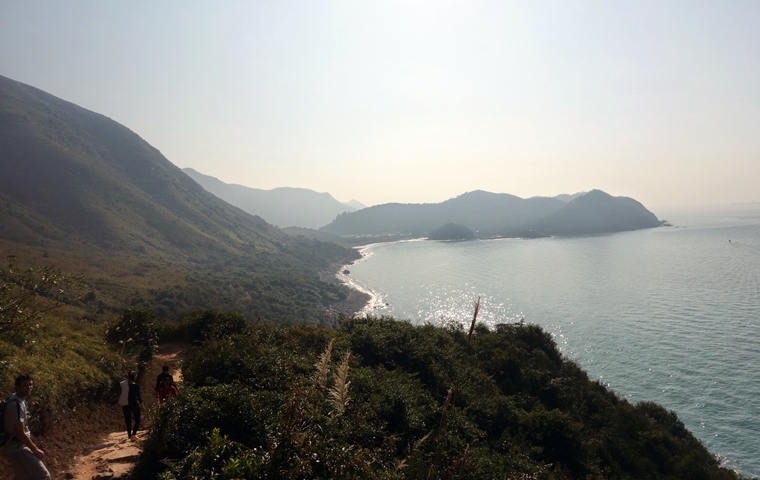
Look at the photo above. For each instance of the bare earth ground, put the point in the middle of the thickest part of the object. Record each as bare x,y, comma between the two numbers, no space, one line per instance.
115,455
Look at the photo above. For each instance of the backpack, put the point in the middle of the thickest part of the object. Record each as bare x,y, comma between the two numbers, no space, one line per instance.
5,437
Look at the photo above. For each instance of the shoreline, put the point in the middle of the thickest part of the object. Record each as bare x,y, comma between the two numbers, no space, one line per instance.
358,302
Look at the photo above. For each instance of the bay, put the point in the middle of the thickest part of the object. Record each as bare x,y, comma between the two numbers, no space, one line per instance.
670,315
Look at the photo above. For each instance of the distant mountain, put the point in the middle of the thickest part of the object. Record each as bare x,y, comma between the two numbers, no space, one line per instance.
90,196
597,212
569,198
284,206
355,204
499,214
482,212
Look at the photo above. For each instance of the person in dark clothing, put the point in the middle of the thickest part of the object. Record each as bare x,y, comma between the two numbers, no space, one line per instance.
133,407
164,375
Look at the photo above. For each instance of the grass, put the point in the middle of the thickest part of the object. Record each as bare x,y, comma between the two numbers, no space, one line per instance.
75,374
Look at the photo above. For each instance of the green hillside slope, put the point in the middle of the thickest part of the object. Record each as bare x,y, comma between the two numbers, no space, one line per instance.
92,197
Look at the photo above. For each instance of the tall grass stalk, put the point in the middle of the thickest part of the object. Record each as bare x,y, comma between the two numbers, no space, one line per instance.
474,318
323,367
339,391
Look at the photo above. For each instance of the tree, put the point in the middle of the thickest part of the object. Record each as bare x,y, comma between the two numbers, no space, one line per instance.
135,332
28,295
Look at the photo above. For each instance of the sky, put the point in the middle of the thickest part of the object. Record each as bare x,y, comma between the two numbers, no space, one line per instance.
418,101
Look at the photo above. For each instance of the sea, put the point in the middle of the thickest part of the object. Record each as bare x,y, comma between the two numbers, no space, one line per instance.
669,314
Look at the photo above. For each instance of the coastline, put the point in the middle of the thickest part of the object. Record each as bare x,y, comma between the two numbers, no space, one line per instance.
358,302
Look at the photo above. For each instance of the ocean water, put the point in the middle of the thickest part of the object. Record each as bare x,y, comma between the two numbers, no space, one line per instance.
670,314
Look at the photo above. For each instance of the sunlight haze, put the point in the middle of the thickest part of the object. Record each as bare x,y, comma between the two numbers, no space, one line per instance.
418,101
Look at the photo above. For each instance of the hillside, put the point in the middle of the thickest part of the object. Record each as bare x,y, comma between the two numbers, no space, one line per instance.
567,198
355,204
483,212
499,214
88,195
284,206
383,399
597,212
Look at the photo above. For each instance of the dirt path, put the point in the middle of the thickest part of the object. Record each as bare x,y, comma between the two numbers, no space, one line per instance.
115,456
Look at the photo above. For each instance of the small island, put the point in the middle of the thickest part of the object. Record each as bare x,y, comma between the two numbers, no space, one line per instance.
451,231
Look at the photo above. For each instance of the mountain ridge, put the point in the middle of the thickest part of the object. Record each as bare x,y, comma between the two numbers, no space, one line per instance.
282,206
499,214
81,188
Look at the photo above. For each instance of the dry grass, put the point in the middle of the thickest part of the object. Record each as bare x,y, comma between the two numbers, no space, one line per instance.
338,394
323,367
474,319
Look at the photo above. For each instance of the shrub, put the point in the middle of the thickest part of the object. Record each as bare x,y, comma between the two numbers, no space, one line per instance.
213,325
134,334
423,404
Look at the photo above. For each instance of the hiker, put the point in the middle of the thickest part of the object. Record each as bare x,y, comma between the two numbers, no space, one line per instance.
164,375
167,390
131,403
20,450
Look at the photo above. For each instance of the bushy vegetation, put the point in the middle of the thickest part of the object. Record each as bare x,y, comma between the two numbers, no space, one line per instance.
75,363
379,398
26,295
451,231
134,334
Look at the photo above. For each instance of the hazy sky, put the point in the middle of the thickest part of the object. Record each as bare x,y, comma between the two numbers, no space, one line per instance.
418,101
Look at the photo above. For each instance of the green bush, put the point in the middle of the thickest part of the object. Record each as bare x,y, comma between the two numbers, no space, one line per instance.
219,459
418,402
134,334
213,325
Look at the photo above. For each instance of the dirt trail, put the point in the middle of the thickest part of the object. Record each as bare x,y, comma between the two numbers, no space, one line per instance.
115,456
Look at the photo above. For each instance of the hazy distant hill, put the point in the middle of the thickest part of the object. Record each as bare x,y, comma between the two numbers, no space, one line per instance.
483,212
597,212
91,196
494,214
284,206
355,204
567,198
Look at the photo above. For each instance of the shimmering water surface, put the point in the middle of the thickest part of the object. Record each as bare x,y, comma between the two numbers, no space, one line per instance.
669,314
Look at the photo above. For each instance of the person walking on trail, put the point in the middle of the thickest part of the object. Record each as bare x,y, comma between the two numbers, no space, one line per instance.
131,403
163,376
20,450
167,390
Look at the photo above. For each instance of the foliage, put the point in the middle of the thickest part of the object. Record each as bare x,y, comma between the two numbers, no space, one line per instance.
43,334
423,404
451,231
70,362
220,459
134,334
213,325
28,295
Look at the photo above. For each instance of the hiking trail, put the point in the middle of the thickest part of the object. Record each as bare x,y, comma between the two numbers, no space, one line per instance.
115,456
